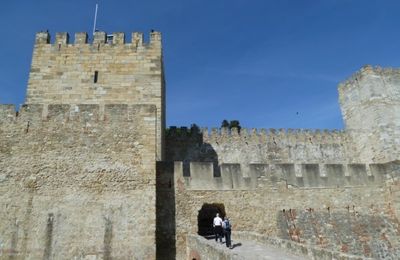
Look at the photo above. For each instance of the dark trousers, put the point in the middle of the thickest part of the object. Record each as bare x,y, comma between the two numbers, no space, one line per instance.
228,238
218,233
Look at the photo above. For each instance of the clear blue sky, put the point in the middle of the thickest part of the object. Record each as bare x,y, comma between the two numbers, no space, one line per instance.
270,64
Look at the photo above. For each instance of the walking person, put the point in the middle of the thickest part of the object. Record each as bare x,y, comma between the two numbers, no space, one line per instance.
217,224
227,226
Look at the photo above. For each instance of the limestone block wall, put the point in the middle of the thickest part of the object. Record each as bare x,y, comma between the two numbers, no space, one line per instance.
258,146
77,182
259,208
106,70
370,103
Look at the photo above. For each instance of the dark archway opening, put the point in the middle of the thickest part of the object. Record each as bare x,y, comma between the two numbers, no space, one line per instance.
206,216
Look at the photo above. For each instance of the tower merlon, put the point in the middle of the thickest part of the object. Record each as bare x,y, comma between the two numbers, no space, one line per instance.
137,39
155,38
118,38
42,38
62,38
99,38
81,38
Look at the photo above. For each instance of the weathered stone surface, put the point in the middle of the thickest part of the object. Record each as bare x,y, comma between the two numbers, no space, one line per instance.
259,146
78,187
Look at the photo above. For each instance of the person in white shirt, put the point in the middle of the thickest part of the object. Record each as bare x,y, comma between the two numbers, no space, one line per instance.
217,224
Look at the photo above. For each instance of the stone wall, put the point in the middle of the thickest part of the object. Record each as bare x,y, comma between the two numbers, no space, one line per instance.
77,182
205,176
105,71
260,208
258,146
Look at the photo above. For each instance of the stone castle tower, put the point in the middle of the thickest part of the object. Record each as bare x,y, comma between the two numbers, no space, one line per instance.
107,71
87,173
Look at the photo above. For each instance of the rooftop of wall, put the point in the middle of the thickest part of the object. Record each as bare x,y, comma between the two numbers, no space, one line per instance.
248,133
79,112
367,70
116,38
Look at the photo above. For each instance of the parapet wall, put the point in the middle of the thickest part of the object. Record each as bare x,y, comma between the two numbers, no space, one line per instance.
208,176
295,135
259,146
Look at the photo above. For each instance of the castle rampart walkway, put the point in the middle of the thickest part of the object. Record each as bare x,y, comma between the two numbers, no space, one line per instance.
243,249
248,245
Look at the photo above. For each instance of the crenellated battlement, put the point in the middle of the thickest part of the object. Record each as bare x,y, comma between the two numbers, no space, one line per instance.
223,134
99,38
235,176
356,77
369,86
79,112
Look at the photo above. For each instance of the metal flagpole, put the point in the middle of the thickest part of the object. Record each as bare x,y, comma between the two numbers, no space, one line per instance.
95,19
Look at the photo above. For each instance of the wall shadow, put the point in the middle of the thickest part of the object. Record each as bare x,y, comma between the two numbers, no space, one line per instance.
165,211
187,145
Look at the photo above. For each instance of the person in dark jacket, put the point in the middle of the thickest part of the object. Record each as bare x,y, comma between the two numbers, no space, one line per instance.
227,226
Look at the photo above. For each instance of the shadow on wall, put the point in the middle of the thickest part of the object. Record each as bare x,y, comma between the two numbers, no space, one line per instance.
206,216
186,145
165,211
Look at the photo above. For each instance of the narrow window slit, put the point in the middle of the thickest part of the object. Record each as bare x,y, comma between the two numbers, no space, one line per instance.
96,76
